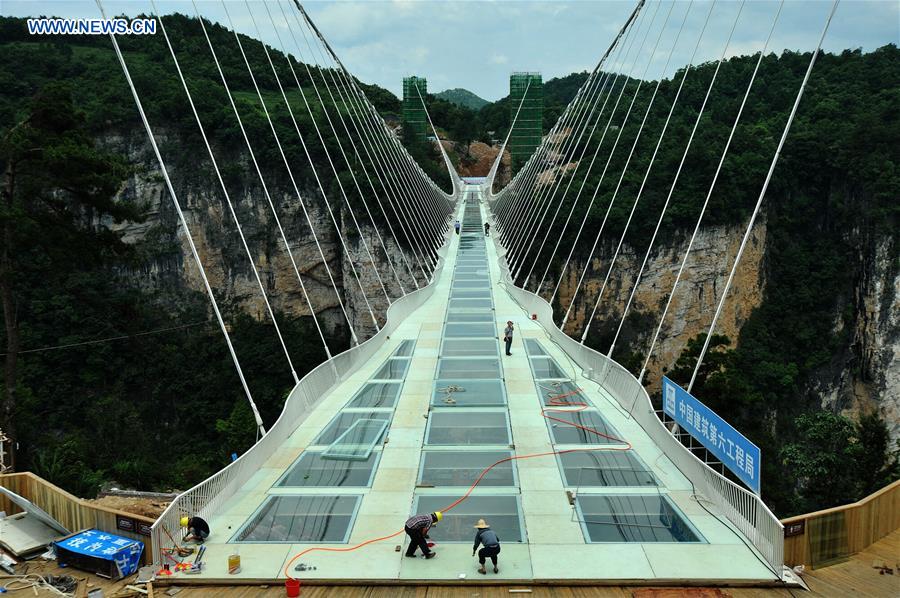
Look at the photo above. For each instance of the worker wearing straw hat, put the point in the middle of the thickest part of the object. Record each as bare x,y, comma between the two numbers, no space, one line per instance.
486,536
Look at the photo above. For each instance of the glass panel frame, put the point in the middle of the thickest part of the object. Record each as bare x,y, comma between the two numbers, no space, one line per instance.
471,330
622,514
546,368
457,525
358,441
342,421
605,466
375,395
471,395
314,463
394,368
590,418
441,431
470,347
462,468
470,368
340,525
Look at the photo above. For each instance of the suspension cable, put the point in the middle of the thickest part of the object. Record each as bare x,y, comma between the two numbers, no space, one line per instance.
621,130
187,231
309,159
325,149
393,151
640,192
578,163
762,193
228,201
712,82
630,154
353,143
709,192
266,188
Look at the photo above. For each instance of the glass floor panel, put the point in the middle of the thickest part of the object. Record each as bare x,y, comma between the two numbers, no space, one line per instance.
546,367
471,284
405,349
469,330
470,294
483,368
563,433
632,518
311,470
342,422
533,347
475,347
393,369
604,468
358,442
471,304
502,513
468,393
471,270
560,392
461,428
471,316
376,394
301,519
462,468
457,276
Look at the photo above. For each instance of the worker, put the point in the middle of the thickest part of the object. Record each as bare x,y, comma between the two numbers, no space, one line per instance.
416,528
508,335
198,529
488,537
487,229
457,226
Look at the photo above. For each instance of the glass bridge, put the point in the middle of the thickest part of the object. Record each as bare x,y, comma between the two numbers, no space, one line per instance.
587,495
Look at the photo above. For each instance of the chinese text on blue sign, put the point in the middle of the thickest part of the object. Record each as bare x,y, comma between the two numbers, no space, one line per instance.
737,453
94,543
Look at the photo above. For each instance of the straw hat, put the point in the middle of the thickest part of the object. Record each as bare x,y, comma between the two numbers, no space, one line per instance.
481,524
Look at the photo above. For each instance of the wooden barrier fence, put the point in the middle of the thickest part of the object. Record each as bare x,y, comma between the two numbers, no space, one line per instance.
72,512
825,537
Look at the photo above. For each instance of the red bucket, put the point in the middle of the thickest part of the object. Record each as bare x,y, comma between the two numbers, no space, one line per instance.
292,587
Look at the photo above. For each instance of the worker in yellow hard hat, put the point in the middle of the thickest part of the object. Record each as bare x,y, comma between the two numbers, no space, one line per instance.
416,528
197,529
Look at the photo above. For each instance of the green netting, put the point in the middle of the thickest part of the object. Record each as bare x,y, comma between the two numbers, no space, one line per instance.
415,120
529,126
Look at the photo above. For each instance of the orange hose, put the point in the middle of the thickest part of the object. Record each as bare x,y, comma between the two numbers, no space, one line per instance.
555,401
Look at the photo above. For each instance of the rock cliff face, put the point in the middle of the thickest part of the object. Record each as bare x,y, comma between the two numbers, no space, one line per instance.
695,298
863,378
866,377
166,266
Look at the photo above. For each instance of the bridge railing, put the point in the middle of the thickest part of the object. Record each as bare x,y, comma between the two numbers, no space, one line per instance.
208,497
745,510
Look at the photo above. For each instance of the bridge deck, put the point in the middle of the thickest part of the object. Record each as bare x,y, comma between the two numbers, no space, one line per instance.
638,503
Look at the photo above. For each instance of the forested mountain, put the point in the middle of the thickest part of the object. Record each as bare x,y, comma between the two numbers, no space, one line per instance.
91,251
462,97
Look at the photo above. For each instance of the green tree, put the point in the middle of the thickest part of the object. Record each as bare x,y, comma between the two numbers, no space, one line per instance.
56,186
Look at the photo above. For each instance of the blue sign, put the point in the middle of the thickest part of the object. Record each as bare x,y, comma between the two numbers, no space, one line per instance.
738,454
94,543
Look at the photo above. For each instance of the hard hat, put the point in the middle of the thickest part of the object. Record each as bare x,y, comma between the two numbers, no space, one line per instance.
438,515
184,522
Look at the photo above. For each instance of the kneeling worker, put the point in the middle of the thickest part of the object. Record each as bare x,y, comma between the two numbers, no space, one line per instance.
485,535
417,528
198,529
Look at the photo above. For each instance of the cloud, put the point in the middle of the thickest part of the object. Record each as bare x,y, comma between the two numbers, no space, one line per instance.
499,59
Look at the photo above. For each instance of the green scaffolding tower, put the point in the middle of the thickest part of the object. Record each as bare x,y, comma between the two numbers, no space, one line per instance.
529,126
415,121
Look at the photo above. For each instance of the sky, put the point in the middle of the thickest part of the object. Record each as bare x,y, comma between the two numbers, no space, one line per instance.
477,44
